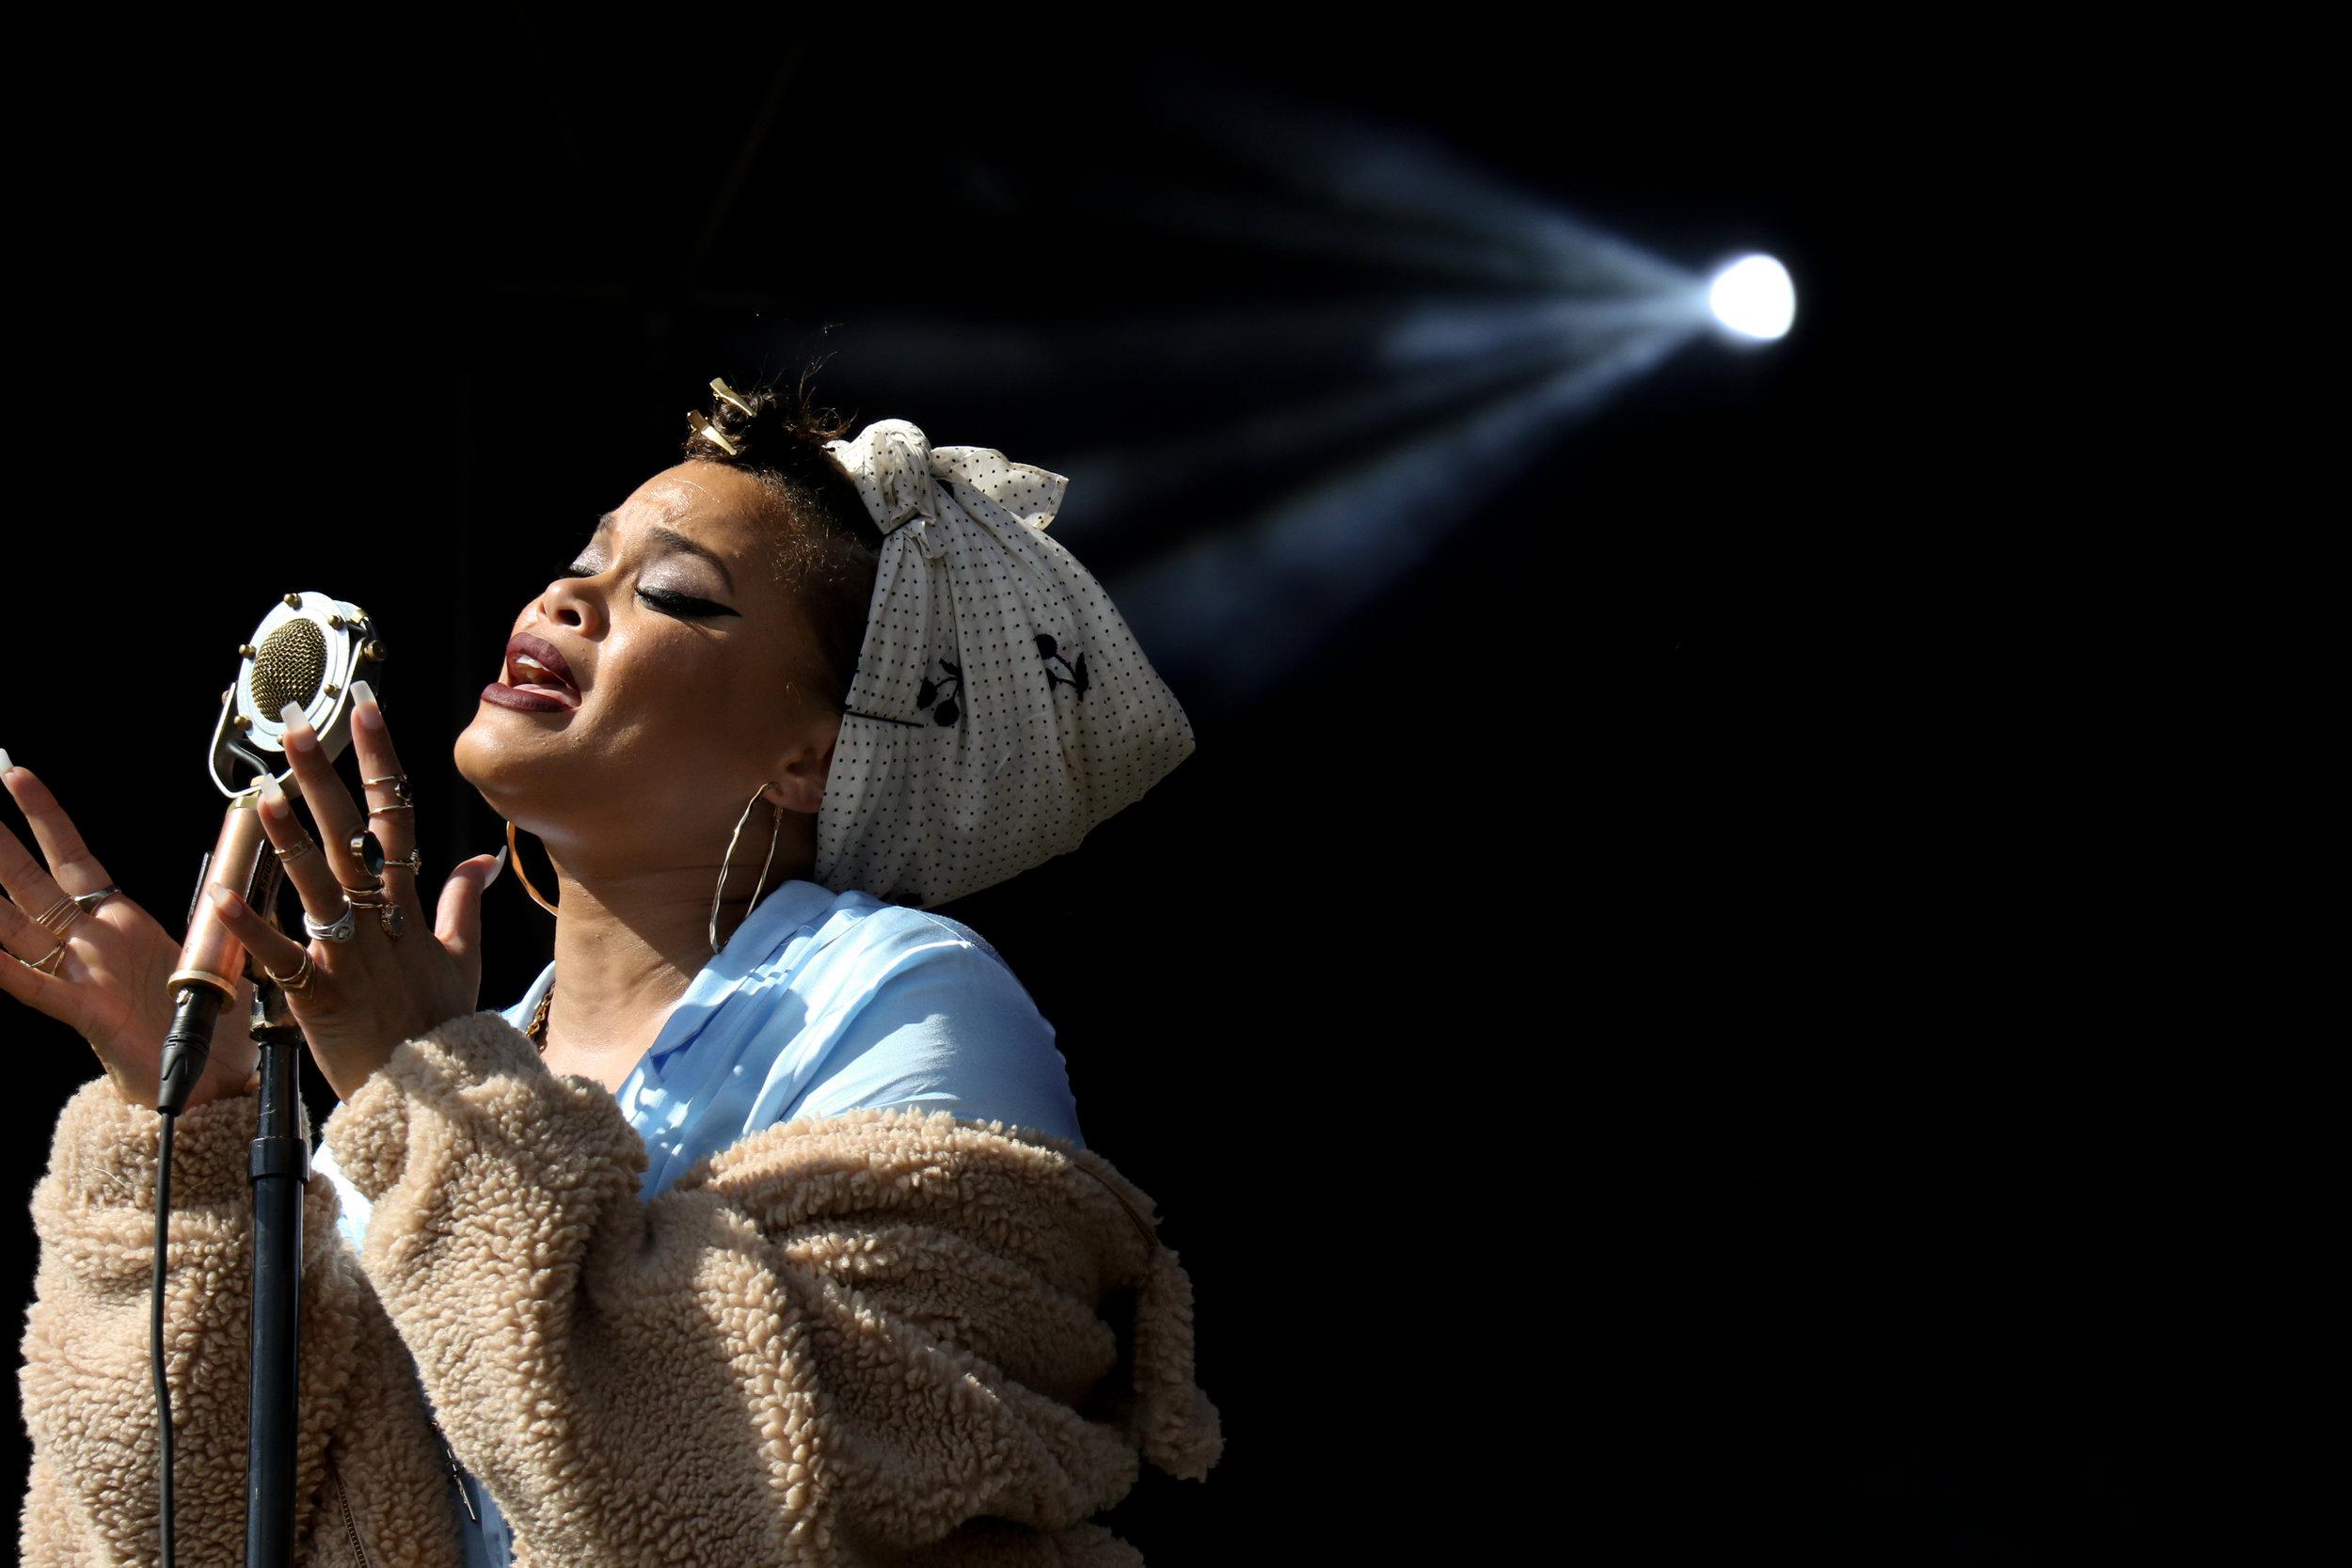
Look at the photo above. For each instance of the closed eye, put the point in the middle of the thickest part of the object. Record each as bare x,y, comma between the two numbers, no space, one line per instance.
681,605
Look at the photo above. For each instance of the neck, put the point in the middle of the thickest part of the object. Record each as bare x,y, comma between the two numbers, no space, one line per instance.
627,946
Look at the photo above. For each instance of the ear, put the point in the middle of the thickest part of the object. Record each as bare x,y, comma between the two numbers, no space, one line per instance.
801,774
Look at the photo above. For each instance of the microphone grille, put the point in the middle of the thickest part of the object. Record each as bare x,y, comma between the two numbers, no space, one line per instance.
289,665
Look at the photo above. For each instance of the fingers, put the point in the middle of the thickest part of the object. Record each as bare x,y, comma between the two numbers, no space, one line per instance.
395,827
28,942
32,893
458,924
278,954
305,866
70,860
26,879
45,993
340,820
392,818
330,803
25,936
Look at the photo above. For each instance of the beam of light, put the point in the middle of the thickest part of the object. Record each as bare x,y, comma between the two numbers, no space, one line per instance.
1754,297
1229,615
1378,423
1363,240
1436,360
1413,189
947,355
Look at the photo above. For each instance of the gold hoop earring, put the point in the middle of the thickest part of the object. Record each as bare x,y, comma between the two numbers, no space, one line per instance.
514,853
776,813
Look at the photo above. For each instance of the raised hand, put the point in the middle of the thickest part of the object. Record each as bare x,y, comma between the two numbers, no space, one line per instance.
101,967
391,976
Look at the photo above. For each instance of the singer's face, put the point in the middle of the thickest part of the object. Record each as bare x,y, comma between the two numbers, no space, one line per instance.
688,658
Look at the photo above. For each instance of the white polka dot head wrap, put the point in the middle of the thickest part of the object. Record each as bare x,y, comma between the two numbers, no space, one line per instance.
1001,707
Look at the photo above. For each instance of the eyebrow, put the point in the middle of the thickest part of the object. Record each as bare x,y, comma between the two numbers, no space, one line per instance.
670,539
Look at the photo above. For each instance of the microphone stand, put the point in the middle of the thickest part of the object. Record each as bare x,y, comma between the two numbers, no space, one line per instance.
307,648
280,1170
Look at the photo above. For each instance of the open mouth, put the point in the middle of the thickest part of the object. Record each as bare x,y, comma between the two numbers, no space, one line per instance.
535,666
524,675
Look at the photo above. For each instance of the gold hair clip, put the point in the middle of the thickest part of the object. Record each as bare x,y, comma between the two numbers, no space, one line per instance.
732,410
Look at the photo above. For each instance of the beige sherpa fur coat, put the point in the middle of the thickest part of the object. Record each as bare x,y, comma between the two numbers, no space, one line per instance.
885,1338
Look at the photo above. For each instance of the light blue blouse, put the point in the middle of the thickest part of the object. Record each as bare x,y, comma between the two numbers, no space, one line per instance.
821,1003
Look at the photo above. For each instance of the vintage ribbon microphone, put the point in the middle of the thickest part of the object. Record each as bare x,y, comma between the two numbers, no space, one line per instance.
307,650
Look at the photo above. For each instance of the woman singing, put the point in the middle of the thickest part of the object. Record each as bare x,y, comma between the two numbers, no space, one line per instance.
760,1230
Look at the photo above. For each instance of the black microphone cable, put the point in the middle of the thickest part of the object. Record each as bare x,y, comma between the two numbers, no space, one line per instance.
155,1331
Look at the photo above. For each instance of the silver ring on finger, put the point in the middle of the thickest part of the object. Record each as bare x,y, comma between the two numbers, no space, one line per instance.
340,930
59,929
89,901
47,960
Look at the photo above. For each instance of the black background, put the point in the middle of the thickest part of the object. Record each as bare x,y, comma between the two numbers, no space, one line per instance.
1697,1019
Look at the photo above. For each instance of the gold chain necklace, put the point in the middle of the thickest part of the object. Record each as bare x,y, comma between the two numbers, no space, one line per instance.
539,1019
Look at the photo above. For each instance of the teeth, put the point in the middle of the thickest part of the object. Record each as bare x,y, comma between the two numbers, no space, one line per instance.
525,662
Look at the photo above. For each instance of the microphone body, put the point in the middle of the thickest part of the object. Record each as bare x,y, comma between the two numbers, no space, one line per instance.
211,959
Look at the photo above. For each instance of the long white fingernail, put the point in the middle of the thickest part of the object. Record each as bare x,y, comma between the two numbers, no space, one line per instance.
5,763
365,706
298,732
496,870
270,791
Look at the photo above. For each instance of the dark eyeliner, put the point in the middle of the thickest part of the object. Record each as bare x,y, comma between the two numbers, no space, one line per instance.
678,604
672,604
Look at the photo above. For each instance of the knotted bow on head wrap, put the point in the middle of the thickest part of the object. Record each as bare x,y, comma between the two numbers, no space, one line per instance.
1001,707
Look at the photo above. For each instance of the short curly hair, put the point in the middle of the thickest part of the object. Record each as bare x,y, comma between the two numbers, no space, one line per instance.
827,550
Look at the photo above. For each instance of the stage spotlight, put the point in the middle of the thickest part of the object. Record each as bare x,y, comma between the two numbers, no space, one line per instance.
1753,298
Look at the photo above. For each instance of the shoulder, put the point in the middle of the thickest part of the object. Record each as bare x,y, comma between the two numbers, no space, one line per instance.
893,943
940,1017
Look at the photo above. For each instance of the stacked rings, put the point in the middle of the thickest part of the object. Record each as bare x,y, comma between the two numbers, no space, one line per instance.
299,981
338,930
71,903
404,800
371,853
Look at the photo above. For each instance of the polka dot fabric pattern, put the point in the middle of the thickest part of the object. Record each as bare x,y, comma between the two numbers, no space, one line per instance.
1001,707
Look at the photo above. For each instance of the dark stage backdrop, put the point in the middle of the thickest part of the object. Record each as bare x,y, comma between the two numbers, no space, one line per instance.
1679,1028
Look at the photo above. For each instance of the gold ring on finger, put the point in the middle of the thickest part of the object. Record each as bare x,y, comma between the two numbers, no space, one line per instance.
302,847
388,911
368,850
299,981
59,930
412,862
44,962
404,800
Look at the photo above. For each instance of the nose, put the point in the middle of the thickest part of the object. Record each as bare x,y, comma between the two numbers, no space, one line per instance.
567,603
